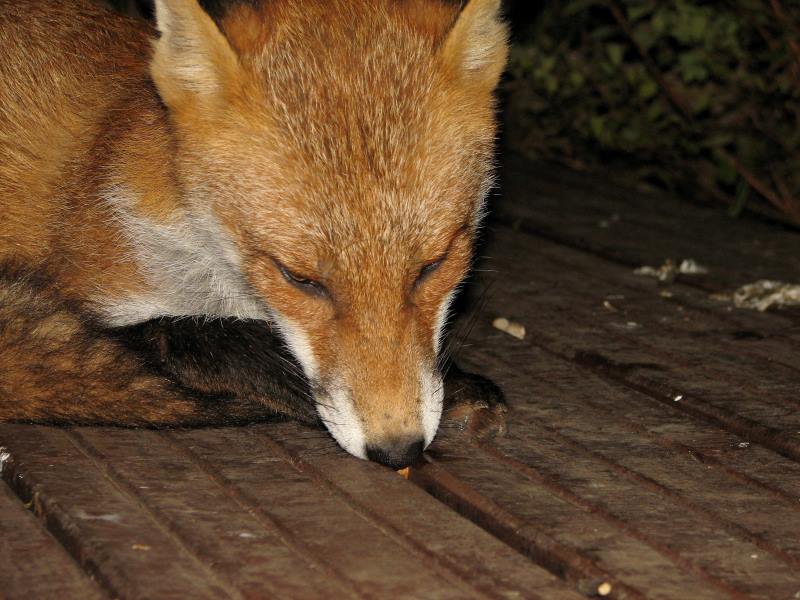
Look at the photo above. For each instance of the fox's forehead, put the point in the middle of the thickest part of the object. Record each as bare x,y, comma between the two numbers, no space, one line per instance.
348,124
346,90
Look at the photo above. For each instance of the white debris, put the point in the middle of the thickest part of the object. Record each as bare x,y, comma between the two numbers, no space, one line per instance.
743,444
690,266
766,293
516,330
648,271
110,518
4,456
604,589
678,398
669,270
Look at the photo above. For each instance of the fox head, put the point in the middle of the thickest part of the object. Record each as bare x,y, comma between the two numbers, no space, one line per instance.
345,149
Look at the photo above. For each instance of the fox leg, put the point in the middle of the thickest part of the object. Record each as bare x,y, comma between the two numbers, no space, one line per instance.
473,404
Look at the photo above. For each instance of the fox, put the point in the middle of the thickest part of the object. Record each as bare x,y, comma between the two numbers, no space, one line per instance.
249,209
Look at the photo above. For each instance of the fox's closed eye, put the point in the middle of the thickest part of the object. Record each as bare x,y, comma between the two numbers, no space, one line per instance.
428,269
310,286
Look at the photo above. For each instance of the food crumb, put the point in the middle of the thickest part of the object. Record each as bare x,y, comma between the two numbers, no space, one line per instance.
404,473
604,589
667,272
516,330
142,547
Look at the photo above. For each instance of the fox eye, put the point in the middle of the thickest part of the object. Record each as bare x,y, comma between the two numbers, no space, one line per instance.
310,286
425,271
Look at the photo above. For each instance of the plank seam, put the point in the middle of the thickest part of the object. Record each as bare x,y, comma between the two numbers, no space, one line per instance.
564,561
549,483
443,566
128,490
289,540
58,527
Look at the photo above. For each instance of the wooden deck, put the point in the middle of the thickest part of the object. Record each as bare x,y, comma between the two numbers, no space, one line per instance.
653,447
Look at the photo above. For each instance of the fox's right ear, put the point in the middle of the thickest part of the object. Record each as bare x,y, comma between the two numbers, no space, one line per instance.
477,45
193,60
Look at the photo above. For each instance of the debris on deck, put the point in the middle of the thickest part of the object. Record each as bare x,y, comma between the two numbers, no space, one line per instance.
668,271
513,329
764,294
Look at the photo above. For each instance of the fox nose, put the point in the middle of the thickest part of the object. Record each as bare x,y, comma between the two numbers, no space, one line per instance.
397,454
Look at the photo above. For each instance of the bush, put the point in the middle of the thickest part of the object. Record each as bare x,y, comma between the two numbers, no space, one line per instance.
699,97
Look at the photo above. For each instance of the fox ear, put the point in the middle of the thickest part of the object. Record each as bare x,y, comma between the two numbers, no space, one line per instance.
192,58
477,44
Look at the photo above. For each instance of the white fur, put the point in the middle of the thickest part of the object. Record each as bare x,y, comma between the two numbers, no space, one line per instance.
298,343
431,403
441,321
339,415
335,407
4,456
191,265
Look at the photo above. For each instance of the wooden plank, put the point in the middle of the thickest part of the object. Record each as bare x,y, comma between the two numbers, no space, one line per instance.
568,319
249,553
586,440
249,512
108,531
440,537
638,228
32,563
375,539
769,337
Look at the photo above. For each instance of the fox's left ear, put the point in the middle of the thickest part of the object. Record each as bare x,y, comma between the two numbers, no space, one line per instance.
192,60
477,44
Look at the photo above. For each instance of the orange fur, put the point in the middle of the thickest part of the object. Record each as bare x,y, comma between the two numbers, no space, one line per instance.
348,141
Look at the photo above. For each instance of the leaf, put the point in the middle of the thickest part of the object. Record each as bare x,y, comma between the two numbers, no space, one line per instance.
615,53
636,12
598,127
648,89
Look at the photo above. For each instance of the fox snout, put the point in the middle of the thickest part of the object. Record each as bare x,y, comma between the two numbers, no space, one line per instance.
389,428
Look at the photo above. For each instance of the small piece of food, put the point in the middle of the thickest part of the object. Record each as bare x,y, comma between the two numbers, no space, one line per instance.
516,330
404,473
604,589
141,547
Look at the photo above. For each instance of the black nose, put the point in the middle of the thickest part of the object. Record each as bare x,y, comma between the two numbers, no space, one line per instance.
397,454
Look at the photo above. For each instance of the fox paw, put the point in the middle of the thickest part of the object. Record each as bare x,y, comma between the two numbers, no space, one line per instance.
474,405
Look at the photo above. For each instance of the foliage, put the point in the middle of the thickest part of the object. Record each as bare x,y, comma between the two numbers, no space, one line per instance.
700,97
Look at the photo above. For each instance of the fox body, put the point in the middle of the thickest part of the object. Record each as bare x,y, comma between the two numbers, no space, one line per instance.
314,169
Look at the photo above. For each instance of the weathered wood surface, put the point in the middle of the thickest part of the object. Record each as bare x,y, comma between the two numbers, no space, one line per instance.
653,446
